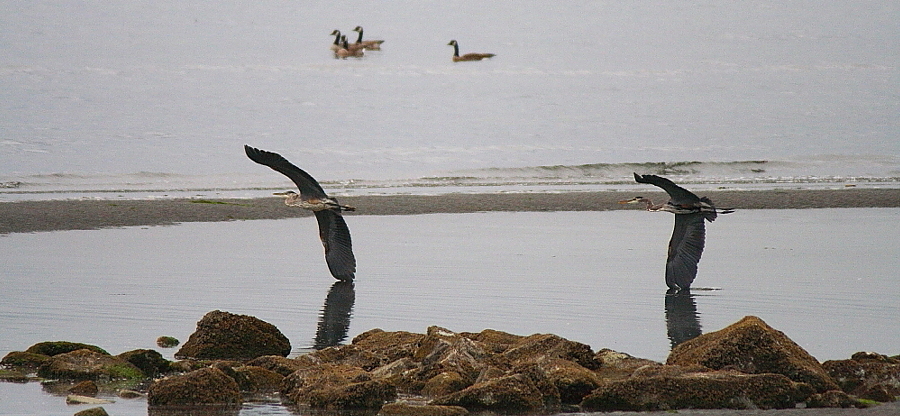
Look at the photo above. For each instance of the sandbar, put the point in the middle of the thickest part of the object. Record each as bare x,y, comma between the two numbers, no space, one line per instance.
57,215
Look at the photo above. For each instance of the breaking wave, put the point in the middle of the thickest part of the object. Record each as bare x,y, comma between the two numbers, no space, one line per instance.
833,171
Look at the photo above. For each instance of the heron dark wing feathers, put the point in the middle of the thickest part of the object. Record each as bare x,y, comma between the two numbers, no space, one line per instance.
685,249
677,194
335,236
710,215
307,185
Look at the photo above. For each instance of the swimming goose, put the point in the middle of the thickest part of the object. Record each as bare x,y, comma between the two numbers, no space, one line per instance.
349,50
336,46
468,56
372,45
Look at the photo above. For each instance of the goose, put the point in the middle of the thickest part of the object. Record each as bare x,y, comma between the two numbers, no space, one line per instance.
372,45
349,50
468,56
336,46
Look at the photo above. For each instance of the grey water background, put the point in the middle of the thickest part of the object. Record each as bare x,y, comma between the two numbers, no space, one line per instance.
153,99
126,99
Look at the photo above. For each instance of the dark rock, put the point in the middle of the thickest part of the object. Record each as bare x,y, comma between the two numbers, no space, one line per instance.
206,386
52,348
668,370
488,373
88,365
15,376
150,362
227,367
832,398
391,345
878,393
129,394
709,390
351,355
403,374
405,409
372,394
94,411
85,388
167,342
76,399
571,380
445,383
616,365
494,341
222,335
751,346
24,360
443,351
186,366
281,365
513,393
868,356
253,379
537,347
867,375
336,386
549,394
296,387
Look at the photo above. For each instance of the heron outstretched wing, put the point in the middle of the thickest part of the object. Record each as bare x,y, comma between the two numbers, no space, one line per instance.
677,195
335,236
305,183
685,249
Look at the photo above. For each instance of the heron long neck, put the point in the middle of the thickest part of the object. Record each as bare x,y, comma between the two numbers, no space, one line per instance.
359,38
650,206
292,200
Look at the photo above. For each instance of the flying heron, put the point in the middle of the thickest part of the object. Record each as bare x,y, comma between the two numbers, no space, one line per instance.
689,235
333,230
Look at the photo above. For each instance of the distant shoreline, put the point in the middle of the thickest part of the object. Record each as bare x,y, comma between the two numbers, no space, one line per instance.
57,215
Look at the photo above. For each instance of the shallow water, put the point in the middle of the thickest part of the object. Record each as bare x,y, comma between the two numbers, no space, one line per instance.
825,277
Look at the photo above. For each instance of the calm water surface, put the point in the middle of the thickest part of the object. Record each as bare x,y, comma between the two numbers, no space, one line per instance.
826,277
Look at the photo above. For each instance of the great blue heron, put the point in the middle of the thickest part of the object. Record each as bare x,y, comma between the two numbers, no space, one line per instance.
469,56
333,230
689,235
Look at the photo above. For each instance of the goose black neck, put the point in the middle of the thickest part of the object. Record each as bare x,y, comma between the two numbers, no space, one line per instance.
455,49
359,38
337,39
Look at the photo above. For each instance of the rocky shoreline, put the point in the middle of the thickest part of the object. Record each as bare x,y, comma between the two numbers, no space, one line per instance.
54,215
747,365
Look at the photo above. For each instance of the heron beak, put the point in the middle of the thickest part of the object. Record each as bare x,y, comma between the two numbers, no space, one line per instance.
629,201
281,193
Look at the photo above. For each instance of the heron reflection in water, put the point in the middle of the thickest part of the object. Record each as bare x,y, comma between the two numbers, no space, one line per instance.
689,235
334,322
333,231
682,318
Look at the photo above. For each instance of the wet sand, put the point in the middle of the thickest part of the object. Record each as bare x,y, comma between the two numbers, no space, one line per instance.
53,215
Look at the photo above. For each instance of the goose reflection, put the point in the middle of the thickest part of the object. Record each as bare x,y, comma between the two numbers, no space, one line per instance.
335,318
682,319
